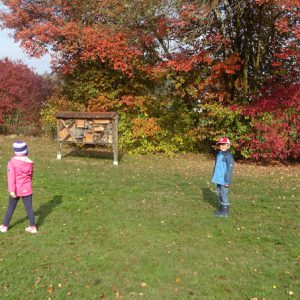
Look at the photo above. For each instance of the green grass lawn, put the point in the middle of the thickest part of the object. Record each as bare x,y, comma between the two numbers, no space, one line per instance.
145,229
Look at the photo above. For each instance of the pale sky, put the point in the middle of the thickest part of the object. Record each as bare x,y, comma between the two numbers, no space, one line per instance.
11,50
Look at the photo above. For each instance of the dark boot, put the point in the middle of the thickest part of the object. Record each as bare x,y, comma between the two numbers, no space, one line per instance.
223,212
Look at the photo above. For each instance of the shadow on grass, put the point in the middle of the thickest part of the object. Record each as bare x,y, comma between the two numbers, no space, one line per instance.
210,197
43,211
92,151
46,209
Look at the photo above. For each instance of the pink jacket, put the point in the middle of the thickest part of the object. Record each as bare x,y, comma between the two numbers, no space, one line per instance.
19,175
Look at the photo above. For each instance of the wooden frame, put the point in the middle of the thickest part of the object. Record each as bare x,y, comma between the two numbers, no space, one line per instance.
88,128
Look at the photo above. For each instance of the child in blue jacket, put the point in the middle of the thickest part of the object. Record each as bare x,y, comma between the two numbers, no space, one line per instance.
222,175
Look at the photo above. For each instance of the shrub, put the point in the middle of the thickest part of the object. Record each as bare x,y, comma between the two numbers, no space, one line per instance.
216,120
22,94
275,130
56,103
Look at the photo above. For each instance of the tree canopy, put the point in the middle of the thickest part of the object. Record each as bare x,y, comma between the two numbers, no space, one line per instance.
173,57
23,93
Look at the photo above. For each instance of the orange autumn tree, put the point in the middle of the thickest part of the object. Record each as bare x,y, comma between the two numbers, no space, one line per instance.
232,46
177,59
72,30
249,38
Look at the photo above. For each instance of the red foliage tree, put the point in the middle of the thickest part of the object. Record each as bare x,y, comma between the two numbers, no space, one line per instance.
275,132
22,94
224,49
191,53
75,31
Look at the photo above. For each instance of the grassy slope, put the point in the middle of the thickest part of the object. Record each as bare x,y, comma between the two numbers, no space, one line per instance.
145,230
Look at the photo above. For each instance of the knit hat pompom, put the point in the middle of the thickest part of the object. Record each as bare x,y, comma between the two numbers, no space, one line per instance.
20,148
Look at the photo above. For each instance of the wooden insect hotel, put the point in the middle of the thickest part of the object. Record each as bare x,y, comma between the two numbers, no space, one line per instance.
92,128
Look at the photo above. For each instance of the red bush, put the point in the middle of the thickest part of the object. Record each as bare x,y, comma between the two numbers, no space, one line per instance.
22,94
275,132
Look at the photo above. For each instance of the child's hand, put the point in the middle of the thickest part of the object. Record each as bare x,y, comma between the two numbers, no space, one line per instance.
227,185
13,194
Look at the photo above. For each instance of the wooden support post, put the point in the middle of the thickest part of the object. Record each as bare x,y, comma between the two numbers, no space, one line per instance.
58,155
115,139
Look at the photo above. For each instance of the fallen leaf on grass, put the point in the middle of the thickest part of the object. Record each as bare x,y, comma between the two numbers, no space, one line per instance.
50,289
143,284
117,292
178,280
37,280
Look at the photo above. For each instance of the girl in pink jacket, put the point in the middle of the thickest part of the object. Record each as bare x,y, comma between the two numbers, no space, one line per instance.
19,177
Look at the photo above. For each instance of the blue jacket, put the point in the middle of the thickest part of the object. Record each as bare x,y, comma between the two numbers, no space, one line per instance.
223,169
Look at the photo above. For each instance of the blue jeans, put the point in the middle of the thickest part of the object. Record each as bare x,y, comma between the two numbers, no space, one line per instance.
222,192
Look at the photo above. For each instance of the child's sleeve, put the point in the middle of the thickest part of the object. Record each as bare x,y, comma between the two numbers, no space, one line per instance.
229,172
11,178
32,168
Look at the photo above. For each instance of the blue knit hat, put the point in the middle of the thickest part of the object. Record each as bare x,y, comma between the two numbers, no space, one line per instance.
20,148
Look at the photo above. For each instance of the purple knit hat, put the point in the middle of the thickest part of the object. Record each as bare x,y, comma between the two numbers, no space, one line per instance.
20,148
